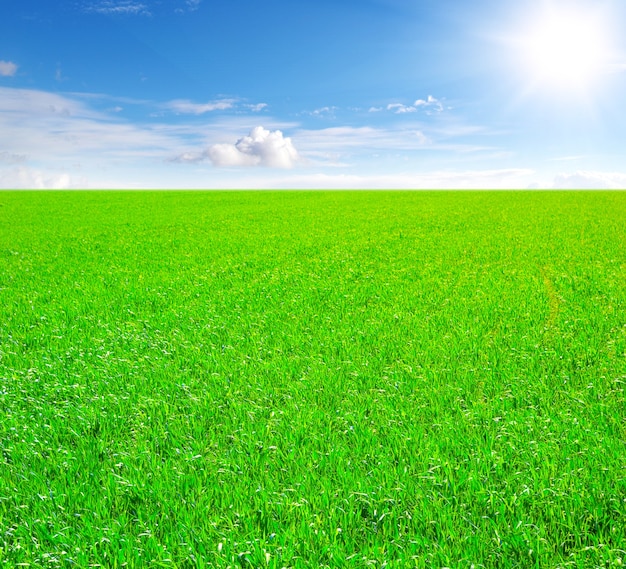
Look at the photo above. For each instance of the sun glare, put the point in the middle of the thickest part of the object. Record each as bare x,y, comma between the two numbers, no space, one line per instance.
565,48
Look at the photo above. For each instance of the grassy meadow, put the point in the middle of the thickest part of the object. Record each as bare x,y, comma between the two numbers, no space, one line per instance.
313,379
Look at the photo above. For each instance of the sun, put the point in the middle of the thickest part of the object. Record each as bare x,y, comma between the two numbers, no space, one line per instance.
565,48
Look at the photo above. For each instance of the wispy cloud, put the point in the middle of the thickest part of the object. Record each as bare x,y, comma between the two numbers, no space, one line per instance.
58,141
341,146
7,68
139,8
192,5
52,127
117,7
349,138
255,108
60,130
186,107
51,140
344,145
322,112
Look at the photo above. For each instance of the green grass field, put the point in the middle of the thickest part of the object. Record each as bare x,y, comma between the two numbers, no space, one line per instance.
313,379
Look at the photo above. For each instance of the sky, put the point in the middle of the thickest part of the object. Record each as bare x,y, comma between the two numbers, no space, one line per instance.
312,94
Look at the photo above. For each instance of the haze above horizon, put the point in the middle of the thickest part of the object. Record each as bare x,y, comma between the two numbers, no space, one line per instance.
369,94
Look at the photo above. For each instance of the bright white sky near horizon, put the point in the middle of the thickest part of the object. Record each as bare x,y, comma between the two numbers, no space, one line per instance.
312,94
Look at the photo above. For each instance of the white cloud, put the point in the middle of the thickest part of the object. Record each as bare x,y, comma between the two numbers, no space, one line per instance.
256,108
590,181
430,104
185,107
28,178
48,132
7,69
52,128
399,108
323,112
115,7
189,6
346,138
260,148
189,157
50,140
138,7
229,155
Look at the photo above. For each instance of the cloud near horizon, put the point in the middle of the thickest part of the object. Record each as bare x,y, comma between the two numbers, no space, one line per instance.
29,178
583,180
52,140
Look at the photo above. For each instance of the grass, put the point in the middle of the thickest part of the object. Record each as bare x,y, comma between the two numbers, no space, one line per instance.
312,379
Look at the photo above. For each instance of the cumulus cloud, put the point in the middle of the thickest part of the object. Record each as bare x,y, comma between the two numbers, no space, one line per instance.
260,148
7,68
430,104
590,181
186,107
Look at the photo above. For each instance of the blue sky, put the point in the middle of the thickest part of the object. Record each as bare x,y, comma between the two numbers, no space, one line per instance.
312,94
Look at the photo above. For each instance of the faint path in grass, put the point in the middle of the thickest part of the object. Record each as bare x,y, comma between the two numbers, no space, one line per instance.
554,301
